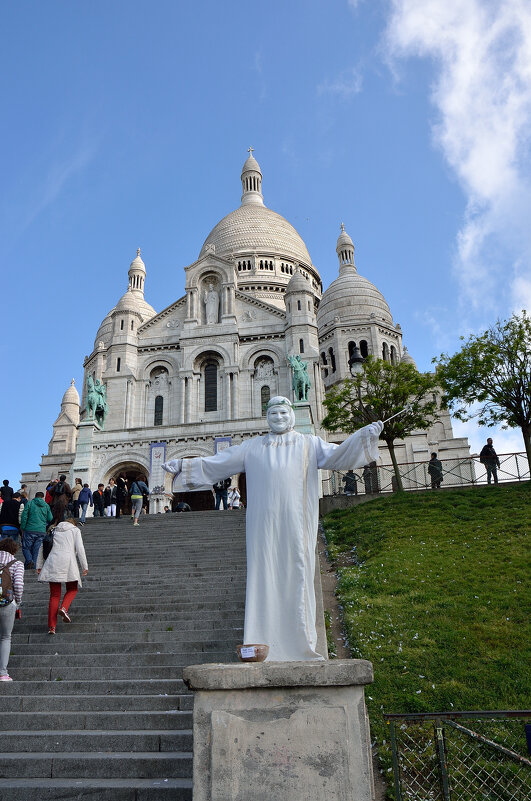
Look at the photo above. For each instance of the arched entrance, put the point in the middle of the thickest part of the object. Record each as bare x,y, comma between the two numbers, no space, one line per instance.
131,470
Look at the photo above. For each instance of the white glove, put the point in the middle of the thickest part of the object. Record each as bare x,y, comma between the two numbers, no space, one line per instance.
375,429
173,466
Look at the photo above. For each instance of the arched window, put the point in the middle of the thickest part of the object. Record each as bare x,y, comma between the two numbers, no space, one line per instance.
132,325
121,325
351,346
265,396
393,354
211,387
298,305
118,363
364,348
159,407
323,358
385,352
332,359
301,345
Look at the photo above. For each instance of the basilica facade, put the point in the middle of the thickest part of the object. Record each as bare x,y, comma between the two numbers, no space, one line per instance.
197,376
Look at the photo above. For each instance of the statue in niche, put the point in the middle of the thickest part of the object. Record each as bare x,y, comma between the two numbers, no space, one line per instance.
96,401
282,471
211,301
301,381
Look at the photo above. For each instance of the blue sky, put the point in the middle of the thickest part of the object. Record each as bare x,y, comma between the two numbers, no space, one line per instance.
126,124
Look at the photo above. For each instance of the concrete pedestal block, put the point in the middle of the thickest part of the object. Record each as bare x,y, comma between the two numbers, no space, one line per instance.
281,731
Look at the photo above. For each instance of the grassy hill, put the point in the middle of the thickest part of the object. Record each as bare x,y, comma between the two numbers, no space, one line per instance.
435,593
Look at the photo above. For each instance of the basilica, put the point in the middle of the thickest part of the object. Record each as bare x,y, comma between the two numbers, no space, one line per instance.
196,377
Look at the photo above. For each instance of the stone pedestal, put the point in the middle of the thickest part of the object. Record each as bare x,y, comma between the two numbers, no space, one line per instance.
83,460
303,417
281,731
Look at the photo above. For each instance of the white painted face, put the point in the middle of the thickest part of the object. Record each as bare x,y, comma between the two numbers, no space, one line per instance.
279,419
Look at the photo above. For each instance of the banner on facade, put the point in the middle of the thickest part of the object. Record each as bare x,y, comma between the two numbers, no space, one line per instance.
221,443
156,473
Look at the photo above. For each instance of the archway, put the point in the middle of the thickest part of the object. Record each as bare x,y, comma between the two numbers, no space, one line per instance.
131,470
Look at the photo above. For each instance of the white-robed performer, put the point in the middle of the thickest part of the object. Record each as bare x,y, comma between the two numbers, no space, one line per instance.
281,470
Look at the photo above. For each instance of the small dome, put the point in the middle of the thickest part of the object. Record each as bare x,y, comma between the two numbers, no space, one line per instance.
353,299
71,395
137,263
105,330
251,165
298,284
134,302
343,238
407,358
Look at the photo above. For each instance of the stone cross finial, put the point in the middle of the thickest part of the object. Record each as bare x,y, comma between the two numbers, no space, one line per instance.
250,150
138,251
343,227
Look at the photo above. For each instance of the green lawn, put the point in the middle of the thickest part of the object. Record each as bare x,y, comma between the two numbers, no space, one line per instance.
435,593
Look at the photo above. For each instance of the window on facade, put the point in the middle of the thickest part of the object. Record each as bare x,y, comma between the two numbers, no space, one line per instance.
385,352
393,354
323,358
121,325
211,387
132,325
298,305
265,397
364,348
351,346
332,359
118,363
159,407
301,345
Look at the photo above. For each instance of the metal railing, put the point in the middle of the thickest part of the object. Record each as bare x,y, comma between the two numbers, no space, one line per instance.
456,473
461,756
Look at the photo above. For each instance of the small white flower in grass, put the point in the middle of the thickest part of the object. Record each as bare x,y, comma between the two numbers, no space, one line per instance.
418,692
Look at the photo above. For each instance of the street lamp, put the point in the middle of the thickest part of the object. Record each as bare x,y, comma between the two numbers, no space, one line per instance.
355,363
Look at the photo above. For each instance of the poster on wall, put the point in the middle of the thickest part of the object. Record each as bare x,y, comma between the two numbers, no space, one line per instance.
156,473
221,443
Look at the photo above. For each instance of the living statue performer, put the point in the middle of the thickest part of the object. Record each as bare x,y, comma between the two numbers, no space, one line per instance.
282,515
211,299
301,382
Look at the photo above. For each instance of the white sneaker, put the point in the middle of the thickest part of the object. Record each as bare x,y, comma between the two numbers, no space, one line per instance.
5,677
136,524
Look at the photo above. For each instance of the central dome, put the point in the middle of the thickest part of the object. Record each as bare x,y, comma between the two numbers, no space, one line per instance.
254,227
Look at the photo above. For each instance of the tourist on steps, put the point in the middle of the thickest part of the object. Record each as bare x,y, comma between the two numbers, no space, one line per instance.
109,498
138,489
61,567
35,519
8,608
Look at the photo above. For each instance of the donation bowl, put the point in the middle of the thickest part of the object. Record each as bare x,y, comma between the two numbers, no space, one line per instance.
252,653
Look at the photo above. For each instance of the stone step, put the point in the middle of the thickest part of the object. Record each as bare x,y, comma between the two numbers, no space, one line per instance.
90,740
79,764
63,673
100,789
86,645
115,688
117,660
37,721
96,703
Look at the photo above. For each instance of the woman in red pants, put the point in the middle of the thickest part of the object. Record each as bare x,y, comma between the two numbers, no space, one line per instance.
61,566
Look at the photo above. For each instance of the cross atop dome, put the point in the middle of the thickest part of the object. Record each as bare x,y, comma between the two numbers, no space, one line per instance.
250,151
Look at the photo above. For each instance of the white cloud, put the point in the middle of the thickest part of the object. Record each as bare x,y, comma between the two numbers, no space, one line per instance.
482,93
345,85
505,441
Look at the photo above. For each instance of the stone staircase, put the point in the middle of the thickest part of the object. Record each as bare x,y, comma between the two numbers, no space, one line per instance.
100,710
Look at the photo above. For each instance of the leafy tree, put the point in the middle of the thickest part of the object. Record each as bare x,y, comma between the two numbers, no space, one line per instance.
493,370
380,390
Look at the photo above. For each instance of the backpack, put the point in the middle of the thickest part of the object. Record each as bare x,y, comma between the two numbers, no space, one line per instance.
59,488
6,587
47,544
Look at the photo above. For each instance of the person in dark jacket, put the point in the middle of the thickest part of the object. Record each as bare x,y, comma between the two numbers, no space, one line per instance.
489,458
35,519
221,488
99,502
85,497
109,498
6,492
121,493
138,490
351,483
62,494
10,517
435,469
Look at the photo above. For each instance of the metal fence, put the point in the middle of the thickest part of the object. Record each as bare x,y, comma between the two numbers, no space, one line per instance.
456,473
462,756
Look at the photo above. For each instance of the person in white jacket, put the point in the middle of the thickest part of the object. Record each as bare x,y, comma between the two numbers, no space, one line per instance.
61,566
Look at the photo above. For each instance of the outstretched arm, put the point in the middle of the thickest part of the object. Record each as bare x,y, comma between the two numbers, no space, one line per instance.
209,469
357,450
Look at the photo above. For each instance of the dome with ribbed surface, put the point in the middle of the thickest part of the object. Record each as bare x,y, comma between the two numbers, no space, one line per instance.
352,298
298,284
71,395
256,228
134,301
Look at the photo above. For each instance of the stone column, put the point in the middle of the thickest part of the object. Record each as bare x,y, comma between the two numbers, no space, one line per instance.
281,730
227,399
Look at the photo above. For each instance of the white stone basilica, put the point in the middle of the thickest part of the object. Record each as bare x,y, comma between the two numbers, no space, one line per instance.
197,376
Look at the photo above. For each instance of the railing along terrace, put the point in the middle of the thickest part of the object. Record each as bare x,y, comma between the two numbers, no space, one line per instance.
456,473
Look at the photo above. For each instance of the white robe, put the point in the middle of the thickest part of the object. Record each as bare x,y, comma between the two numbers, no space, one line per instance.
282,517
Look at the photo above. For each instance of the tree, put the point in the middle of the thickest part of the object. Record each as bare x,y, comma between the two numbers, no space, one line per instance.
490,377
380,390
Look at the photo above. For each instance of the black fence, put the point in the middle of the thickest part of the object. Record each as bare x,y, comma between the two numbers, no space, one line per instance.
415,476
461,756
